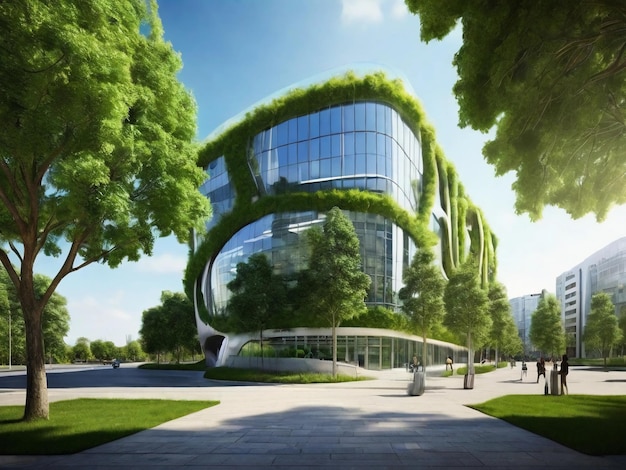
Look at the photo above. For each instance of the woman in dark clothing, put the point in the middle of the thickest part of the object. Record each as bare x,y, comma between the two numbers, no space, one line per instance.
564,371
541,369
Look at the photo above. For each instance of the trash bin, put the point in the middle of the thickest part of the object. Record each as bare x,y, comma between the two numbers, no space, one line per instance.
468,381
418,384
554,381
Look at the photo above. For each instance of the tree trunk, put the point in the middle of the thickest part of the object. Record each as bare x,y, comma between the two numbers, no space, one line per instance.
334,351
37,406
470,354
424,352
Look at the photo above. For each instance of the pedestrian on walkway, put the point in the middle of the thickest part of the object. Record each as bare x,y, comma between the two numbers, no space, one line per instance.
563,372
541,369
449,362
524,370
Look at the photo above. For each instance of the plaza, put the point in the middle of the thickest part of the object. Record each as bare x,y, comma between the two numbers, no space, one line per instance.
372,424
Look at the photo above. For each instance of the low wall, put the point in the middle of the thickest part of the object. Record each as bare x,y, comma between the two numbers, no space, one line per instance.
292,364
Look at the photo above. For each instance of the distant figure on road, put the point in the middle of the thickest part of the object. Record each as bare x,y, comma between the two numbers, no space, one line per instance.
524,370
414,365
449,362
541,369
563,372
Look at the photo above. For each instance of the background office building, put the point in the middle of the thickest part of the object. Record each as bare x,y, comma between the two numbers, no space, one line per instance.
356,141
522,309
603,271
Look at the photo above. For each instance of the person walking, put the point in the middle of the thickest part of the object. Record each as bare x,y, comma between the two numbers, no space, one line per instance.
541,369
449,362
563,372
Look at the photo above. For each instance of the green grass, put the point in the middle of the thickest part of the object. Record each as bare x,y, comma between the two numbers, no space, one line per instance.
76,425
591,424
254,375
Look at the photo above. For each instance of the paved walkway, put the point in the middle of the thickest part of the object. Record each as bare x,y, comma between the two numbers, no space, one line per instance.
370,424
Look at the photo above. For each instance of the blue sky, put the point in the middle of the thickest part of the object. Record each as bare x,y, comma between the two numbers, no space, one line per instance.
237,52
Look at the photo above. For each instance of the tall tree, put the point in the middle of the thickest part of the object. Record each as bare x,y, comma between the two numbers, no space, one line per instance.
82,350
55,324
546,328
602,331
551,77
339,286
467,308
503,334
96,149
422,296
258,296
169,327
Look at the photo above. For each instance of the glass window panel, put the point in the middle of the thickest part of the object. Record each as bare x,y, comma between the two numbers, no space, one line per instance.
283,133
325,147
283,172
314,153
380,117
348,143
360,164
293,173
283,160
388,116
371,142
314,125
370,116
303,127
325,170
381,144
348,118
359,116
335,145
348,184
336,166
315,169
360,142
293,130
303,151
371,163
335,120
303,171
388,144
380,164
348,164
324,122
267,139
293,153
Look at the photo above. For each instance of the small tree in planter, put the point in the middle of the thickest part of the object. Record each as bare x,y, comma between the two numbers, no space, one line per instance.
467,311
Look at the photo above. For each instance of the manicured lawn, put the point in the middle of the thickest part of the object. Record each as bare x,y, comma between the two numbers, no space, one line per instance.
254,375
76,425
591,424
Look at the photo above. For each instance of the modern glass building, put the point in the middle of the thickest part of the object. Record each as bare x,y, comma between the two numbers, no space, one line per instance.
356,141
603,271
522,309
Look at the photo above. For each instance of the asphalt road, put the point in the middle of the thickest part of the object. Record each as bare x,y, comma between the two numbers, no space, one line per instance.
128,375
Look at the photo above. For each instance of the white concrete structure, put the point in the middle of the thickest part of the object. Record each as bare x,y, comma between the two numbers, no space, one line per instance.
603,271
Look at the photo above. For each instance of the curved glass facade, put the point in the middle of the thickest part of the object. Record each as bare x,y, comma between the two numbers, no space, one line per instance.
364,145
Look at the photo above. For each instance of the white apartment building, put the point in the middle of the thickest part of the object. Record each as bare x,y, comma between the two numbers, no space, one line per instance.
603,271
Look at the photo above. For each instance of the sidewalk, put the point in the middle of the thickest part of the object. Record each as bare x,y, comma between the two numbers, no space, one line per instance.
372,424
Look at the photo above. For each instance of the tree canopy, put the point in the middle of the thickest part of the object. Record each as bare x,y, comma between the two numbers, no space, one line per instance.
170,327
550,76
338,284
467,308
546,328
96,152
601,330
422,296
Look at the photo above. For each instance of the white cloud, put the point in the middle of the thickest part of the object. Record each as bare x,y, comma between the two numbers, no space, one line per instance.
162,264
399,9
371,11
361,11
